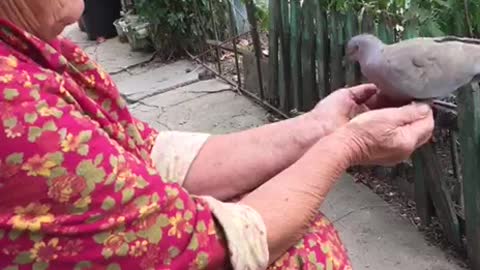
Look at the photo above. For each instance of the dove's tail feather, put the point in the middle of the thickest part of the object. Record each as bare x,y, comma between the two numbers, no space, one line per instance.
457,39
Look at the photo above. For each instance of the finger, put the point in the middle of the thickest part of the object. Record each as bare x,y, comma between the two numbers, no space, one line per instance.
422,130
408,114
357,110
426,125
362,93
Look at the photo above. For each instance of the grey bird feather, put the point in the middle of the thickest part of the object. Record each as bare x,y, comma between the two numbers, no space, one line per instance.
419,68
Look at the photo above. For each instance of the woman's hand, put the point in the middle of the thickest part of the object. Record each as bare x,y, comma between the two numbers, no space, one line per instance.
389,136
342,106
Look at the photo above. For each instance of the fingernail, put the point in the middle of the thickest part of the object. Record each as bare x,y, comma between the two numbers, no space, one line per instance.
423,108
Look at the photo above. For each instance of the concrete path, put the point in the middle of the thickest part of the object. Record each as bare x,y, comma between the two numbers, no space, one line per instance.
170,98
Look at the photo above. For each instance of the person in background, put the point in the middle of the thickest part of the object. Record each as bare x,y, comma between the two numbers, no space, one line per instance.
85,185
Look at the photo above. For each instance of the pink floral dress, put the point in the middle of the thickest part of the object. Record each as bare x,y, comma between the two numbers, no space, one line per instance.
78,186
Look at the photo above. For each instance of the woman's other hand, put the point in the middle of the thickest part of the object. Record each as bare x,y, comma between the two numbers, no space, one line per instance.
389,136
341,106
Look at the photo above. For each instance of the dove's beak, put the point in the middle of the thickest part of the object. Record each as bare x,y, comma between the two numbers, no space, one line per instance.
350,55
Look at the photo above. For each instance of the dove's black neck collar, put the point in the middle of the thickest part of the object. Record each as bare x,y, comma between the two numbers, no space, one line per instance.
457,39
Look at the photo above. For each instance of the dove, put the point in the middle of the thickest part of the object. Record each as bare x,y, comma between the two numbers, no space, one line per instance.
419,68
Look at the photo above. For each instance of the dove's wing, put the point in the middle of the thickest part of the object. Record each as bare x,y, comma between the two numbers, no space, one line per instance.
424,69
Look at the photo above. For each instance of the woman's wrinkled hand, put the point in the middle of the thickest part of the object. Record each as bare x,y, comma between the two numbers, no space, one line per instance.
389,136
342,106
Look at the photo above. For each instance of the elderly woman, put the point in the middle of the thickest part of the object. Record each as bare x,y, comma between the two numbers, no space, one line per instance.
84,185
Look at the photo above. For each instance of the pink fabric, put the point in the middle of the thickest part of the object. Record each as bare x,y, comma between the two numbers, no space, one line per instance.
77,187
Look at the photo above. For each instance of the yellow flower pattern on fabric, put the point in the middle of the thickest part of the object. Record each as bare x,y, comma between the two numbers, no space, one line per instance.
31,217
45,252
39,166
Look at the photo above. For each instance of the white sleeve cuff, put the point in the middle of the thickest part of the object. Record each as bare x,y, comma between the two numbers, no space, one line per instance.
174,153
245,232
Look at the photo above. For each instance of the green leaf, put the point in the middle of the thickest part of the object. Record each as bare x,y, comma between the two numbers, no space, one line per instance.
57,113
121,103
188,215
36,237
23,258
11,267
127,195
57,172
40,266
172,192
100,238
142,183
35,94
141,201
15,159
90,172
83,265
173,252
107,105
2,234
40,76
110,179
325,249
50,126
107,253
94,219
83,150
87,66
119,185
154,234
41,105
193,246
312,258
202,259
123,250
114,266
56,157
62,60
30,118
78,210
113,161
85,136
92,94
10,93
14,234
201,227
98,160
108,203
155,198
90,187
34,133
179,204
63,133
10,122
132,130
130,237
162,221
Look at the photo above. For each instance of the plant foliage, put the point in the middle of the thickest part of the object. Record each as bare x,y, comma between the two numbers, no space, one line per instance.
182,24
425,17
